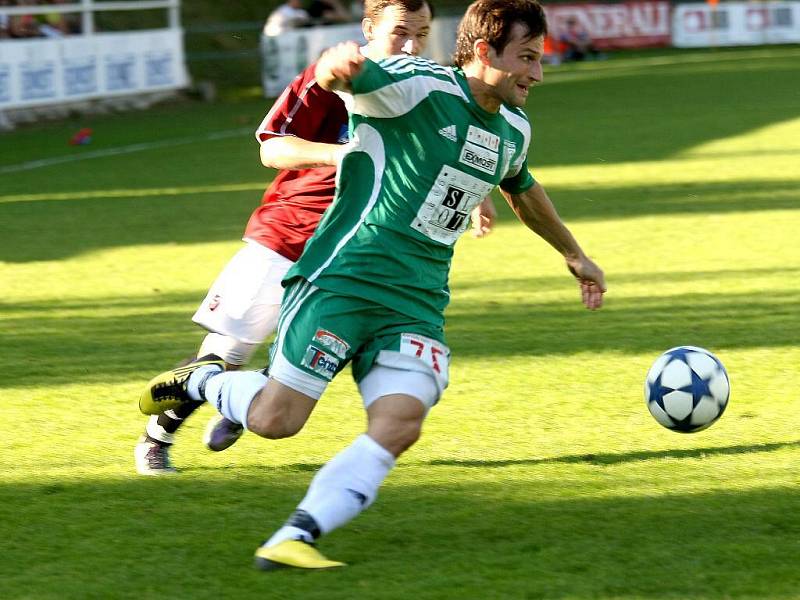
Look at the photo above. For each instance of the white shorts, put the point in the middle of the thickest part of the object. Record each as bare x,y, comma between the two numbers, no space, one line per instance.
383,381
245,299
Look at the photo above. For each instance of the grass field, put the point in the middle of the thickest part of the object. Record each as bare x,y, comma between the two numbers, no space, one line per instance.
540,474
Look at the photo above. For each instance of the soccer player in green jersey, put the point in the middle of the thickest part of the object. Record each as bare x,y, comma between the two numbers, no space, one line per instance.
428,143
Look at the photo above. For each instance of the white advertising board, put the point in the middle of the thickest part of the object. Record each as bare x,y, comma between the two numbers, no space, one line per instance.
51,71
736,24
285,55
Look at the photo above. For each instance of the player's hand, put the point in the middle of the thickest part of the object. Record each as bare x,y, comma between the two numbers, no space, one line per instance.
590,279
338,65
483,217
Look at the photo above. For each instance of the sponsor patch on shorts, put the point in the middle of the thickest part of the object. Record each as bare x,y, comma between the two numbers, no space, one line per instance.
332,342
320,362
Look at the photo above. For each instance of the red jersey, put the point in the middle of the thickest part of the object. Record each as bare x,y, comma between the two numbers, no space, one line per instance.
293,205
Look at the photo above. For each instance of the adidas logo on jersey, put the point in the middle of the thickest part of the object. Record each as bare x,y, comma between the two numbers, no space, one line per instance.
449,132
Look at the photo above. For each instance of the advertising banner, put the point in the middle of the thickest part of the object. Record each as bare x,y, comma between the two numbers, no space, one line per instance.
736,24
51,71
623,25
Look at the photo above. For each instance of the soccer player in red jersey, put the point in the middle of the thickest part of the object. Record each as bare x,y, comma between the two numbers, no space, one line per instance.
303,135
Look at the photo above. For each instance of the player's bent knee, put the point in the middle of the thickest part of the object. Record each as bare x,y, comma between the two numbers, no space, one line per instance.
279,411
396,433
407,435
273,425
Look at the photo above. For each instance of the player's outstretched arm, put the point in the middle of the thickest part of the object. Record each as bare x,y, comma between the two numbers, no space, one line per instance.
290,152
338,65
534,208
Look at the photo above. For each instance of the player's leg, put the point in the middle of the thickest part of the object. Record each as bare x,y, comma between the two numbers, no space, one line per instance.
397,395
299,373
151,452
240,311
274,408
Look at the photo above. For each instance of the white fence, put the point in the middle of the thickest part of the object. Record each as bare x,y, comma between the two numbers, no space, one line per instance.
285,55
42,71
736,24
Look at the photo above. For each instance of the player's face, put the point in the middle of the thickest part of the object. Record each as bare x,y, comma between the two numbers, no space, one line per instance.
517,68
397,31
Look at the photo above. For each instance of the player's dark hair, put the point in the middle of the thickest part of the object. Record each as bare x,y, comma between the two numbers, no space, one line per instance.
492,20
374,8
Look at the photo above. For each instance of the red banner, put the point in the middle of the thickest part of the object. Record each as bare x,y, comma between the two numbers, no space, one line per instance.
625,25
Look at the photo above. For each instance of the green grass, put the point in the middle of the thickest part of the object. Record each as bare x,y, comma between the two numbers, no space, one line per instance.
540,474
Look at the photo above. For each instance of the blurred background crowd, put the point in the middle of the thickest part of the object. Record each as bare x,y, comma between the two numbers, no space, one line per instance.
38,25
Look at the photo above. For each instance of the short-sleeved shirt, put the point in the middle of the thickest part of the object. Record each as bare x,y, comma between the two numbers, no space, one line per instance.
423,155
293,205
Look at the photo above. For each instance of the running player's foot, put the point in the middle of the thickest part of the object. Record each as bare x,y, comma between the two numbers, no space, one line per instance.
167,391
152,458
221,433
292,553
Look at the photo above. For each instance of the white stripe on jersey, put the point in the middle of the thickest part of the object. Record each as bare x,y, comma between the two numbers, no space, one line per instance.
392,59
402,69
524,127
400,97
405,63
365,139
278,103
409,67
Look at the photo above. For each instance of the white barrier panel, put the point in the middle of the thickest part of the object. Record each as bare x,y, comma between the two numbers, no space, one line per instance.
52,71
285,55
736,24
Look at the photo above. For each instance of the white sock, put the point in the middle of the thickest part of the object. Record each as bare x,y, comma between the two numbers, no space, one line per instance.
231,392
157,432
341,489
197,378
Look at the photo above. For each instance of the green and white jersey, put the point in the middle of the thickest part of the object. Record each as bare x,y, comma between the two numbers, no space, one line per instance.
423,155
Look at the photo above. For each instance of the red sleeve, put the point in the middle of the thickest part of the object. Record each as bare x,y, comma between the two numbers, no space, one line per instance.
299,111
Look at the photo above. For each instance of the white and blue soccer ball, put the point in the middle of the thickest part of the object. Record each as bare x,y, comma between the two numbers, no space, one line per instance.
687,389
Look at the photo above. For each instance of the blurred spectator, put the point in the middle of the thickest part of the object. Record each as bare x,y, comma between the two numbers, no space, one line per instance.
328,12
288,15
576,44
4,21
57,24
24,26
357,10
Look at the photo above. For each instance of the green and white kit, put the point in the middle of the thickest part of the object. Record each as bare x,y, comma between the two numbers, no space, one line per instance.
423,155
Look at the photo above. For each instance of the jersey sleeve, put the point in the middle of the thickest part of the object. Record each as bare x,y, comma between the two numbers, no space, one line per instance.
517,178
395,85
519,182
371,78
299,111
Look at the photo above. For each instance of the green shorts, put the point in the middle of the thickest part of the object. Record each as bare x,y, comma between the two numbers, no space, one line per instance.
319,332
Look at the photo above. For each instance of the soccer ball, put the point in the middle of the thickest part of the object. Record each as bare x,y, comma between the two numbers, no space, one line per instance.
686,389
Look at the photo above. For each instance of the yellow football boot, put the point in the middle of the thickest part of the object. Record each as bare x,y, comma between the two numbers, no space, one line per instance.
167,391
292,553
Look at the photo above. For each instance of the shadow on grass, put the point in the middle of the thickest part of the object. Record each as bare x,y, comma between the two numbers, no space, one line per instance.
112,339
190,538
52,230
658,113
625,457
